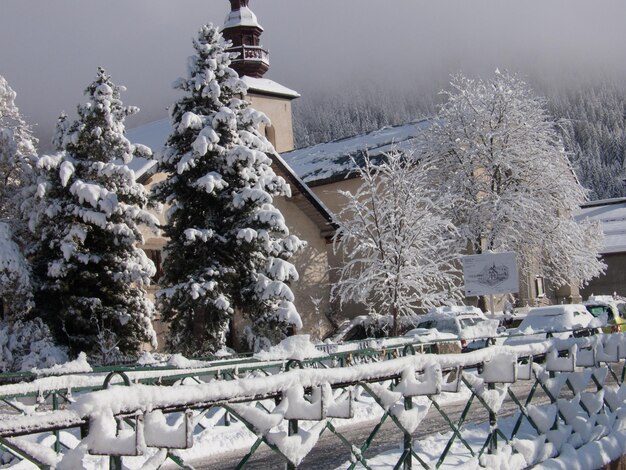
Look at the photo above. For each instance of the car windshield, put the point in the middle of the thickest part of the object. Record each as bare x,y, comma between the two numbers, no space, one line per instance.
597,310
443,325
465,322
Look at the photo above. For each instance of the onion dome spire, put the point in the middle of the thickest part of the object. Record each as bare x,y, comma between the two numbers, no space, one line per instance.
244,31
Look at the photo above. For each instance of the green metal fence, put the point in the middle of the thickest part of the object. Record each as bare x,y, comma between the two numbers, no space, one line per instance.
572,383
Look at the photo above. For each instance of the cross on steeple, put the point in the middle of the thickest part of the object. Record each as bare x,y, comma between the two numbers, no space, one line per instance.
237,4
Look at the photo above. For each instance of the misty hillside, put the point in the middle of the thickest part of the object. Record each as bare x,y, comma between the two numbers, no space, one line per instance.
591,119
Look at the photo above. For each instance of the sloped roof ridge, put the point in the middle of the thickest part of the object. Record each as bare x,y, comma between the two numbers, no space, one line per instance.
363,134
604,202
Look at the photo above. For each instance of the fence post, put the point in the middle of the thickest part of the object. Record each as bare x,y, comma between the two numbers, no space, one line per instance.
493,441
57,437
408,440
292,429
115,462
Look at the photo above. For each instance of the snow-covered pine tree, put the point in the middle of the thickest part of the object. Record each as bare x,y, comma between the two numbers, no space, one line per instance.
400,251
228,244
495,145
90,272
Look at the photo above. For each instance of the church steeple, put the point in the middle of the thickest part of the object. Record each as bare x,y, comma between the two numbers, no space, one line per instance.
243,30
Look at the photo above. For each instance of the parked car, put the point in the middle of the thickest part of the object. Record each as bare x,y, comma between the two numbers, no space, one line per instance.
468,324
438,342
559,321
611,310
513,319
367,326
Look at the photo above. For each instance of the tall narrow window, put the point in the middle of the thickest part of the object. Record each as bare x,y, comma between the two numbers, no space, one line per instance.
270,134
156,257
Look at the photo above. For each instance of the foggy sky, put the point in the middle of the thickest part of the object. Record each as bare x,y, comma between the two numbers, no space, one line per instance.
50,49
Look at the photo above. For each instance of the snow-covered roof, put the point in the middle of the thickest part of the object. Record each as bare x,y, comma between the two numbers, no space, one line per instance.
611,213
331,161
152,135
242,17
267,86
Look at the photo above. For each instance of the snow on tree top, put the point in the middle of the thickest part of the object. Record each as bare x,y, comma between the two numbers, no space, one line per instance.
242,17
611,214
154,134
333,160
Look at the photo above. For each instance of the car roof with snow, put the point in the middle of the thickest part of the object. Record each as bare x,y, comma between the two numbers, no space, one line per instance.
555,310
602,300
454,311
557,318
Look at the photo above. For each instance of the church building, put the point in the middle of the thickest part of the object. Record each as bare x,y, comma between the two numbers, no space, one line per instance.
305,214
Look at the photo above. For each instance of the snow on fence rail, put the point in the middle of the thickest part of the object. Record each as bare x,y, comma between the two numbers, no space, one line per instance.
289,411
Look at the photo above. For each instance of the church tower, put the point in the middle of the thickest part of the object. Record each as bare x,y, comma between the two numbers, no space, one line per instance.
252,62
244,31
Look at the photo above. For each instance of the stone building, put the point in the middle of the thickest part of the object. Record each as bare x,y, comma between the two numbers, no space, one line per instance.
611,214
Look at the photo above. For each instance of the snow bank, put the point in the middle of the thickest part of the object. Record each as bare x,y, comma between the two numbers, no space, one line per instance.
298,347
181,362
77,366
592,455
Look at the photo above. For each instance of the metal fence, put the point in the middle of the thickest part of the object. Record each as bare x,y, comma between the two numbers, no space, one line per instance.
575,396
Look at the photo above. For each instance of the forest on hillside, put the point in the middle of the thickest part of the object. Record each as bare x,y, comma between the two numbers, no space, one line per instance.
591,119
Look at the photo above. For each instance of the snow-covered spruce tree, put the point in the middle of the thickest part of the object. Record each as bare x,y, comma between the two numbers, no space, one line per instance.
228,244
495,146
90,272
400,252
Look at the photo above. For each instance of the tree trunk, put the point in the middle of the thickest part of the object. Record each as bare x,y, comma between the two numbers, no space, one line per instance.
394,312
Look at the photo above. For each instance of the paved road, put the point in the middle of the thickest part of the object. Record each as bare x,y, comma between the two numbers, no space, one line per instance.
330,452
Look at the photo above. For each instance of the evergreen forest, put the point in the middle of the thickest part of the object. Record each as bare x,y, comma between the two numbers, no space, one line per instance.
591,119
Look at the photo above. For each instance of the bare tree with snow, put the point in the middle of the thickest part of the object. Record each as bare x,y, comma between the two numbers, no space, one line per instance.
495,146
17,152
228,244
400,251
90,272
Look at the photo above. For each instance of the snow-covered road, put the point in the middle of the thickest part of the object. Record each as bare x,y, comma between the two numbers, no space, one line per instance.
331,453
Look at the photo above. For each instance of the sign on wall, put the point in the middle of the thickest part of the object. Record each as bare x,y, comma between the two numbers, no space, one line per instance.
490,273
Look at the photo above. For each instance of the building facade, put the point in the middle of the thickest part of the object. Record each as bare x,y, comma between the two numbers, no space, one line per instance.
305,214
329,168
611,214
